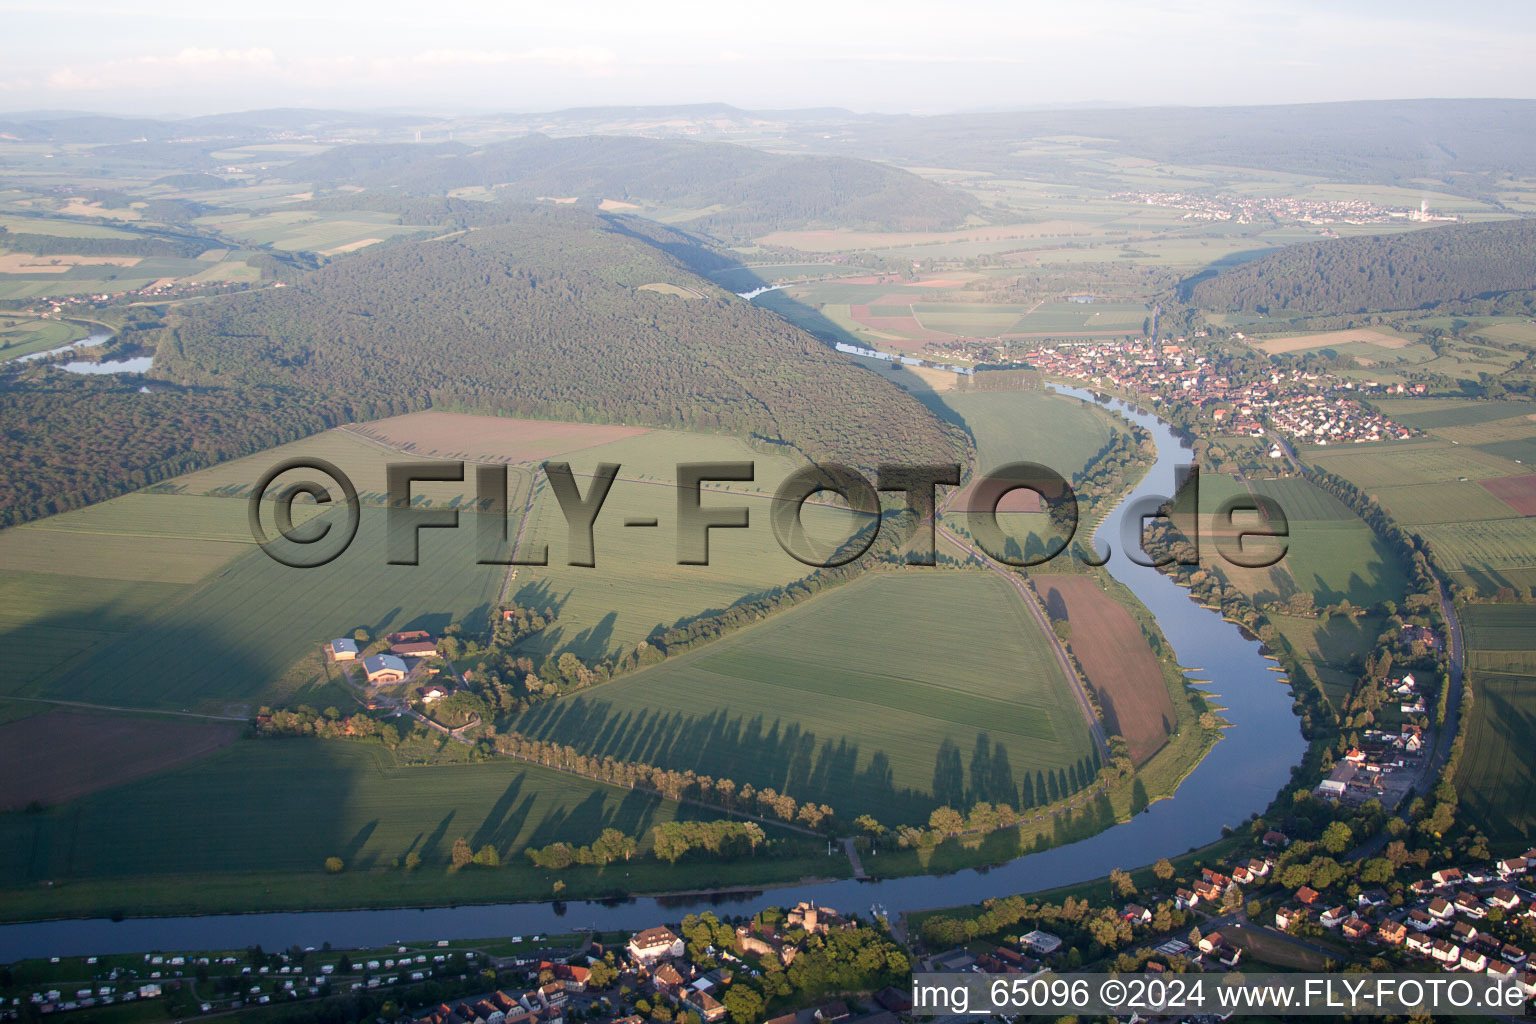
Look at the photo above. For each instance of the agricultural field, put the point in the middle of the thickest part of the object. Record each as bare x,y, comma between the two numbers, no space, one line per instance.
1085,319
364,459
161,598
26,335
827,702
1024,426
1462,489
1499,627
449,435
1117,660
1372,467
232,637
1337,340
232,814
1488,554
1448,502
1497,778
330,234
60,756
637,584
1329,553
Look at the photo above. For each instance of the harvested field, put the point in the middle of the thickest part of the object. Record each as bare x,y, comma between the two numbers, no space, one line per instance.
1117,661
62,755
488,438
671,289
1277,346
361,243
1518,492
914,334
22,263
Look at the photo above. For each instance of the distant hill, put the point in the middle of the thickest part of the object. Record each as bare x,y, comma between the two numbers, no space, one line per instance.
1380,272
1391,141
542,316
744,191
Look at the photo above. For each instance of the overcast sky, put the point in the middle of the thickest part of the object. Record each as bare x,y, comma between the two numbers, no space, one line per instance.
203,56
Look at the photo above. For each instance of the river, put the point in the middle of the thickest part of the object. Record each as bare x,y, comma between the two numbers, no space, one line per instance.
99,336
1238,777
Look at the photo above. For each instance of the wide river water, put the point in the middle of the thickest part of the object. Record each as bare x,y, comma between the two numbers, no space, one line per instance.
1238,777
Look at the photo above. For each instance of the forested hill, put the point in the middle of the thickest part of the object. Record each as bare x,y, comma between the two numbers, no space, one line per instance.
1380,272
545,317
746,191
542,317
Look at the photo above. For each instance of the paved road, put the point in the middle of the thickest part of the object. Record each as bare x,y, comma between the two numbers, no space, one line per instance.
1444,735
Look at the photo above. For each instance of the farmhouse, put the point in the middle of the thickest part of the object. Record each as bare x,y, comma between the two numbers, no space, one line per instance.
384,668
420,645
343,649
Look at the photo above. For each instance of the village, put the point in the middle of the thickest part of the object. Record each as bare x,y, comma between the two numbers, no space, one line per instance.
1280,209
703,972
1305,406
1475,920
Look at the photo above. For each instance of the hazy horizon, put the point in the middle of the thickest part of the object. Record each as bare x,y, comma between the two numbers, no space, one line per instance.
180,58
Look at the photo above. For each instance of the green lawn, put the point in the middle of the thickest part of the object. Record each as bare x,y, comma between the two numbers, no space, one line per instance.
870,697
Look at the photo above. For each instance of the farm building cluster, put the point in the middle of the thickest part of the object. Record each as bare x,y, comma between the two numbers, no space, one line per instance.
388,666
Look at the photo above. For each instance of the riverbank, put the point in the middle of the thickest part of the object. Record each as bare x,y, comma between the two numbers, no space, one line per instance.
1238,778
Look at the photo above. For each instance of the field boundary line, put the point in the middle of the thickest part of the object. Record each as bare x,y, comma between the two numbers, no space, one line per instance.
123,710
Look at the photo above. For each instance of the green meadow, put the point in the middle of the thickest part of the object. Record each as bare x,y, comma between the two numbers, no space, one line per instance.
876,696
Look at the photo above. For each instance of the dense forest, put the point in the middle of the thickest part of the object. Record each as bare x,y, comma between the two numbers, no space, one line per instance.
63,245
70,440
1380,272
759,191
540,317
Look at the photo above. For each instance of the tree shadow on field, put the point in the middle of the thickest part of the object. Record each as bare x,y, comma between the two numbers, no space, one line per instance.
1507,817
777,755
432,848
505,818
354,847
